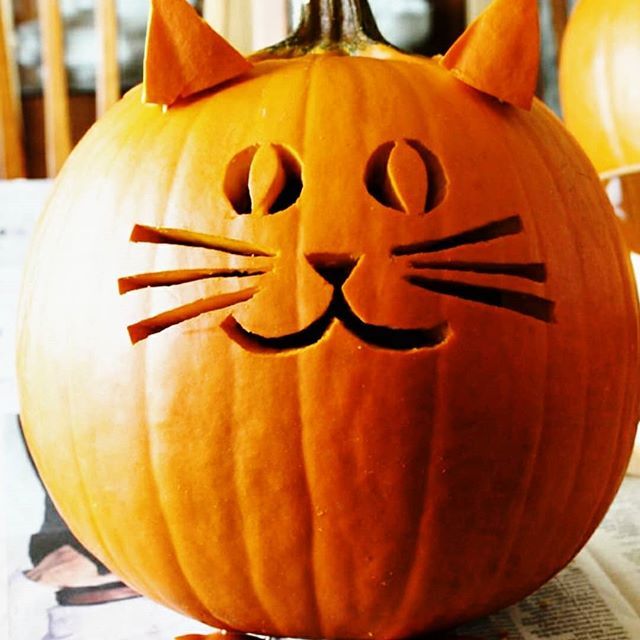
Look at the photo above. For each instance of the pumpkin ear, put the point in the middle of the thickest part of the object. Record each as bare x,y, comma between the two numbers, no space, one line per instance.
499,53
184,55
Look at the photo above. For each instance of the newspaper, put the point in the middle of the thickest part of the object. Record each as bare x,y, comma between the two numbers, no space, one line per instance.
597,597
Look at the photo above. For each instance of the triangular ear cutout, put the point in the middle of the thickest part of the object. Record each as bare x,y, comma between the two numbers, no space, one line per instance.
499,53
184,55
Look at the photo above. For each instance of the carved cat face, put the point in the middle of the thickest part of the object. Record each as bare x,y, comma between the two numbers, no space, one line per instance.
308,173
401,176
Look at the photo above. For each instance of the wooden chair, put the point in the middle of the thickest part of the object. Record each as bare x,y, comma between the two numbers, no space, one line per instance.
232,19
12,161
56,101
559,17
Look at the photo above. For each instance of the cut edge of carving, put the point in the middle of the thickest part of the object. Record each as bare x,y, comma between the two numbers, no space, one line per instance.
145,328
494,230
525,304
534,271
187,238
183,276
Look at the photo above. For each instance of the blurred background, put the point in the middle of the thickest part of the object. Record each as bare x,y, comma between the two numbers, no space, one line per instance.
94,31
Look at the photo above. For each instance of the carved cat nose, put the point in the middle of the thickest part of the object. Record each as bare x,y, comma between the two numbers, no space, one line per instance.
335,268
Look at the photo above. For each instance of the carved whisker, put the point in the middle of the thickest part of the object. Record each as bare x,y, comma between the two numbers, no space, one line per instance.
142,330
491,231
185,238
523,303
168,278
534,271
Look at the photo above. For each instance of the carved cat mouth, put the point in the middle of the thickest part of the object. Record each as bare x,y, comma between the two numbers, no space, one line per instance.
335,269
339,311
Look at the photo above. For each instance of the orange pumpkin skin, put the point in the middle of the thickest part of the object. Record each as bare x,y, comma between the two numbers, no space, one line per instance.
598,87
340,490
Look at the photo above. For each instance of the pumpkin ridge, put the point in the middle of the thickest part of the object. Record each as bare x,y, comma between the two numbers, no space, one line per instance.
304,137
154,485
88,503
152,473
598,510
180,167
517,509
317,618
160,215
406,596
308,142
632,411
240,558
532,461
532,139
269,624
616,476
304,133
605,490
403,596
101,534
107,554
356,77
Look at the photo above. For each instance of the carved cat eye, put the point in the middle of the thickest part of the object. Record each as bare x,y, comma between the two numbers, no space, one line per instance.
263,179
404,175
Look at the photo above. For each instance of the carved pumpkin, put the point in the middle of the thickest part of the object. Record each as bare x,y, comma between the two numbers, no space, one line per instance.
381,368
598,81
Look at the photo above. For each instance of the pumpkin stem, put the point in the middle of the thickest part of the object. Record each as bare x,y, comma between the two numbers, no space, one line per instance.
341,26
337,22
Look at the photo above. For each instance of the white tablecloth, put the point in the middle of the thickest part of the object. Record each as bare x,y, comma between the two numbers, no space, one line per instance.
20,204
